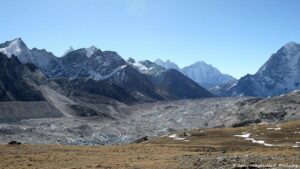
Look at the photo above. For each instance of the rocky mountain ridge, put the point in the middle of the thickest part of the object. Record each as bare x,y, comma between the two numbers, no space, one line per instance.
92,63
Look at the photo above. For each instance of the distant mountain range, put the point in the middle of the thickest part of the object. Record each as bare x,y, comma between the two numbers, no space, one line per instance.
137,81
170,82
202,73
104,73
279,75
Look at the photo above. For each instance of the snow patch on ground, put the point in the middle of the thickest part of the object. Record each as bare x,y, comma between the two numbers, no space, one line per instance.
296,145
175,137
259,142
246,136
276,128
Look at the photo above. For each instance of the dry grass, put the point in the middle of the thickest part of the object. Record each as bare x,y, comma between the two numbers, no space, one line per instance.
209,148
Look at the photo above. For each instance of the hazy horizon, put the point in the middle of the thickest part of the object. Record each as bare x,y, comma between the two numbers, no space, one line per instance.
237,37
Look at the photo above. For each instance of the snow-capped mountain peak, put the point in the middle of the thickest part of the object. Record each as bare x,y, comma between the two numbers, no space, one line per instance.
204,74
146,67
288,55
280,74
13,47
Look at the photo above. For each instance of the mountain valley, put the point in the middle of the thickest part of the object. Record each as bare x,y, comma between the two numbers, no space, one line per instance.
90,97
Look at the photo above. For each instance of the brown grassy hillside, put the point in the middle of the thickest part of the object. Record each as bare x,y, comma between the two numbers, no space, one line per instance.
205,148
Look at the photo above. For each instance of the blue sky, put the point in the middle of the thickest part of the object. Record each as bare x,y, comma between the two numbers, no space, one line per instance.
236,36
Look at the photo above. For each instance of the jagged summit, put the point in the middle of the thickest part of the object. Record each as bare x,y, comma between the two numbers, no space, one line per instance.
147,67
89,51
130,60
18,41
167,64
13,47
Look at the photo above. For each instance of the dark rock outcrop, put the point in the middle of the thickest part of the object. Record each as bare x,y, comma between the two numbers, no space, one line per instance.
16,81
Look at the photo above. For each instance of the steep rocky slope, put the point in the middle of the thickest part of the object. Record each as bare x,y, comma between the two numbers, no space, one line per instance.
87,87
20,95
17,81
279,75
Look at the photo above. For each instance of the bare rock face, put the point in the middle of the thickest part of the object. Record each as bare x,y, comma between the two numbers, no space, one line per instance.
17,81
14,143
15,110
85,87
186,89
141,140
